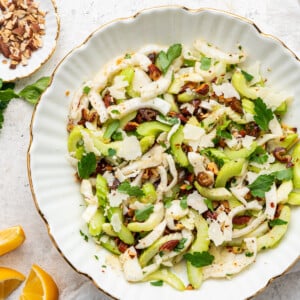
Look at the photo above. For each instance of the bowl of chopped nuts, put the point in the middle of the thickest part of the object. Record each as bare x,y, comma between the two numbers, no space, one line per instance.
29,31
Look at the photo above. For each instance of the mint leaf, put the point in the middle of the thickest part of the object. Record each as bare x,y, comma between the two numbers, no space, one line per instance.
164,60
199,259
277,222
144,213
180,245
157,283
126,188
247,76
87,165
263,115
33,92
209,204
205,63
286,174
261,185
259,155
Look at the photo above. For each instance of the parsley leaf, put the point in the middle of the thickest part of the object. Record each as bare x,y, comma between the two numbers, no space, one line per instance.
277,222
85,237
259,156
111,152
205,63
199,259
209,204
180,245
286,174
117,136
86,90
168,120
247,76
157,283
183,202
126,188
164,60
127,56
33,92
87,165
249,254
223,134
261,185
263,115
144,213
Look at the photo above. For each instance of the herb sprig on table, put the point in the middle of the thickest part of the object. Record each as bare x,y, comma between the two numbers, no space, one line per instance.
31,93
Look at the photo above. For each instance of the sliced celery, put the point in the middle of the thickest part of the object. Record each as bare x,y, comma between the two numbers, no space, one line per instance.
152,128
168,277
271,238
147,142
96,222
229,170
240,84
176,142
150,195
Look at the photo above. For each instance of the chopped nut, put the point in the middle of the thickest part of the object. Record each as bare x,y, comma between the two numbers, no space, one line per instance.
22,25
204,179
169,246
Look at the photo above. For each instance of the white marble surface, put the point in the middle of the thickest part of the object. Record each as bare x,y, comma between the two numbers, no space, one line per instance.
78,19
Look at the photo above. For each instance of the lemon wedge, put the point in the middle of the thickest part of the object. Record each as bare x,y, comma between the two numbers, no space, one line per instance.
11,238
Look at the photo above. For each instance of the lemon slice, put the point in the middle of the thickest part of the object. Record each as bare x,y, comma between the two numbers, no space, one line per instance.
9,281
11,238
39,286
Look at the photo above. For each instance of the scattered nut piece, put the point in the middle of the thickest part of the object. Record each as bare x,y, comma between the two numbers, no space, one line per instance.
22,27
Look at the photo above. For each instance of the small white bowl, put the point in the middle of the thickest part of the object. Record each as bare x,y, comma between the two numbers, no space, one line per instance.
54,189
40,56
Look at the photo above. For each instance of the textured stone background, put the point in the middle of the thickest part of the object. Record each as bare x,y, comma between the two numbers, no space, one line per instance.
78,19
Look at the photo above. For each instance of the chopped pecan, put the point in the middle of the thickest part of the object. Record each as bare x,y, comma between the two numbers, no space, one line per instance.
202,89
236,105
152,57
204,179
146,114
154,72
280,154
131,126
108,100
169,246
252,129
189,85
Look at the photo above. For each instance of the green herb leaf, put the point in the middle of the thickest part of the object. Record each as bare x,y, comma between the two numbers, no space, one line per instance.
168,120
115,111
205,63
247,76
209,204
157,283
261,185
85,237
223,134
7,95
259,156
286,174
167,201
249,254
277,222
111,152
33,92
111,128
144,213
199,259
127,56
180,245
263,115
87,165
86,90
126,188
117,136
183,202
189,63
164,60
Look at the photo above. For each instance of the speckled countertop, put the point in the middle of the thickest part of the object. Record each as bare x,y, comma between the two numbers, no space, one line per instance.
78,19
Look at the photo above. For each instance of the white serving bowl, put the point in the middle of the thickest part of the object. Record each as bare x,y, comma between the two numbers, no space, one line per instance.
54,189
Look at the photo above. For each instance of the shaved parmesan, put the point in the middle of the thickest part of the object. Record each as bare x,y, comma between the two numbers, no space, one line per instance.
226,89
130,148
116,198
192,132
116,222
196,201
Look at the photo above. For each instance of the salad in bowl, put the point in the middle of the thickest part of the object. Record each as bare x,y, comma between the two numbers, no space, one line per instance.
182,157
